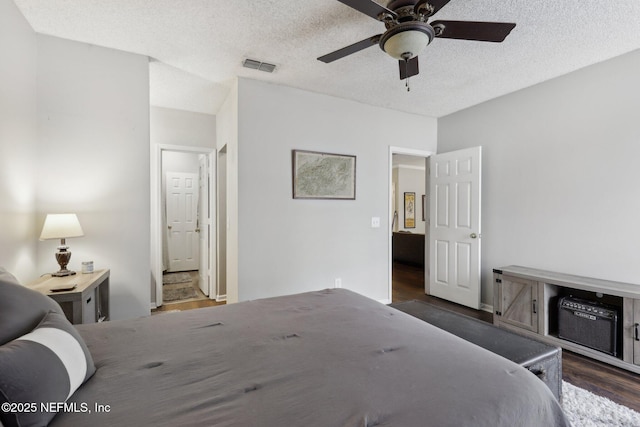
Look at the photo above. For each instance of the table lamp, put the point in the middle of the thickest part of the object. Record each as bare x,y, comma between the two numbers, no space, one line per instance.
61,226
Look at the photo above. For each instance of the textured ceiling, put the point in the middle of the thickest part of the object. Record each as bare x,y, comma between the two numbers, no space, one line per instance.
198,46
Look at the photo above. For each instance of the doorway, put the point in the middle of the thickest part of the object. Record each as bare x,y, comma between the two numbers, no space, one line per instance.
452,212
409,225
185,273
183,224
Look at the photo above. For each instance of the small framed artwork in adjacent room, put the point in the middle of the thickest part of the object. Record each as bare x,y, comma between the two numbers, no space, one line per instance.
323,175
409,210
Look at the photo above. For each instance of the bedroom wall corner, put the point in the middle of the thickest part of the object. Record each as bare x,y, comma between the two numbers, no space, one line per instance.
560,173
227,140
93,159
18,142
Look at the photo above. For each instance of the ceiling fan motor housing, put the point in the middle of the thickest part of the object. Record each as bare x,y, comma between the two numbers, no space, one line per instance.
407,39
396,4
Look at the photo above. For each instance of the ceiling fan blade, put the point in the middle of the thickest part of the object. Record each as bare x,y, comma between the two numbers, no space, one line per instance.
435,4
356,47
369,7
472,30
408,68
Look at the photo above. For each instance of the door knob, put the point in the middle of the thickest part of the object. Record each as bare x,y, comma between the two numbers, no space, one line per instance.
197,230
169,227
473,235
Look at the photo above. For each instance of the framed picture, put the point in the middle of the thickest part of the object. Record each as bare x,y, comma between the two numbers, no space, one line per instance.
409,210
323,175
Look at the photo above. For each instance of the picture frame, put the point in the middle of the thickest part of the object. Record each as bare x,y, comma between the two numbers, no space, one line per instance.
409,210
318,175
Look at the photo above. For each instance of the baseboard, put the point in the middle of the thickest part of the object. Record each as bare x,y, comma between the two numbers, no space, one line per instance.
153,306
221,298
486,307
384,301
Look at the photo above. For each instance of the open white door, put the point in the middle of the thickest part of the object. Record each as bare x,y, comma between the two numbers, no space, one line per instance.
204,270
454,228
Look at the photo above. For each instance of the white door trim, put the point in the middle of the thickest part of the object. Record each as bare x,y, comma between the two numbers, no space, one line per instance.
411,152
156,209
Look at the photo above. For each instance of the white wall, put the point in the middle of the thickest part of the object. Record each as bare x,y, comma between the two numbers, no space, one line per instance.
412,180
560,173
178,127
18,141
286,245
93,159
227,136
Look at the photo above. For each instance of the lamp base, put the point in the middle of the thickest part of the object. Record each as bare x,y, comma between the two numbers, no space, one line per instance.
63,273
63,256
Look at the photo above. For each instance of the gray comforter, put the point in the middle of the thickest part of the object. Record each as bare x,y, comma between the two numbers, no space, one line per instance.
330,358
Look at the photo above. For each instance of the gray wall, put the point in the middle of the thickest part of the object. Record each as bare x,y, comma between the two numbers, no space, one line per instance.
286,245
178,127
560,172
93,159
74,138
18,141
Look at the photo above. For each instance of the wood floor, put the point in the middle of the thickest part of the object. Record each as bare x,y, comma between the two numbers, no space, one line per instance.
620,386
200,301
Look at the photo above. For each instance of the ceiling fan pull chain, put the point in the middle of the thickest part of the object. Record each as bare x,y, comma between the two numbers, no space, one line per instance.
406,57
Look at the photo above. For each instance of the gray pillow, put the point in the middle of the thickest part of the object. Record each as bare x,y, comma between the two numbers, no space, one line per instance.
21,308
42,367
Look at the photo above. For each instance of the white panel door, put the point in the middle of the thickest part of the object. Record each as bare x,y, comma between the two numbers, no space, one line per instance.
454,228
182,214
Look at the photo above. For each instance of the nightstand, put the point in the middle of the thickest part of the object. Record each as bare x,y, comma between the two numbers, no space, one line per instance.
87,302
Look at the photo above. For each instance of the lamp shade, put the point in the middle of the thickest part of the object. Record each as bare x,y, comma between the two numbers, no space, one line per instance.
61,226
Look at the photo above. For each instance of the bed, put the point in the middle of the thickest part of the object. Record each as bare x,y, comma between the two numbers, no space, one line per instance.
326,358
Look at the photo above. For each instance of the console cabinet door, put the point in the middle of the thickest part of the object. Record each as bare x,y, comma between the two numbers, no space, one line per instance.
519,302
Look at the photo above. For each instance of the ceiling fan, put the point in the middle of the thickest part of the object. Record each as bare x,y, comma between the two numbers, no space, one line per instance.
409,32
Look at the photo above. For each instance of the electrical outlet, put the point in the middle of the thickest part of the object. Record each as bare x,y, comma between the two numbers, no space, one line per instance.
375,222
338,283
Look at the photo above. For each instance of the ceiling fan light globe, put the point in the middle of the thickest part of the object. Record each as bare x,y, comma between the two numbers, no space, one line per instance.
406,42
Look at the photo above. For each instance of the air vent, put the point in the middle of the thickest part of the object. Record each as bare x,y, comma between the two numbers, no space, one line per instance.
257,65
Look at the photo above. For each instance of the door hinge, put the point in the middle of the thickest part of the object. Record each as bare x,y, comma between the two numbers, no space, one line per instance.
498,280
